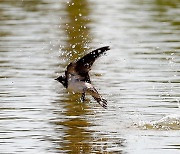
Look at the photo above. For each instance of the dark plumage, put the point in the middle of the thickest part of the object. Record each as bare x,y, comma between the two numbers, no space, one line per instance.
77,77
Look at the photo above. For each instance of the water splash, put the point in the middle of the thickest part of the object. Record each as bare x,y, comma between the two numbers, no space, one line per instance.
169,122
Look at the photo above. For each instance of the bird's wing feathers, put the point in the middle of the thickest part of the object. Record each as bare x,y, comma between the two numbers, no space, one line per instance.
84,64
72,74
81,68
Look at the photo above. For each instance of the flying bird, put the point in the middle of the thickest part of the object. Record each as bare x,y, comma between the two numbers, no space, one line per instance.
77,79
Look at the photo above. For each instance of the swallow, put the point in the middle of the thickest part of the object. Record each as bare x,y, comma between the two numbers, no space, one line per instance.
76,78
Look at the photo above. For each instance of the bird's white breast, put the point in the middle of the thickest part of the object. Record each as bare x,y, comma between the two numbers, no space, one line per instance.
77,86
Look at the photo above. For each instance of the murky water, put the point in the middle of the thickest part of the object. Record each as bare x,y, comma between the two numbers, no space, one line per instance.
139,76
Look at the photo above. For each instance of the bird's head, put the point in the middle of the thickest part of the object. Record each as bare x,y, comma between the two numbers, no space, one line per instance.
62,79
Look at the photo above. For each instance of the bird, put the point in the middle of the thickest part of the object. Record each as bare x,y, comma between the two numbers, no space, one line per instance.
77,79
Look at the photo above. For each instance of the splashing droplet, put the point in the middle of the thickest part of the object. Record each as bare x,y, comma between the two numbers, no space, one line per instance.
73,46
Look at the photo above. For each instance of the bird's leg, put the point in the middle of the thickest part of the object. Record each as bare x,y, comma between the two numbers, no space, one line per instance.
83,97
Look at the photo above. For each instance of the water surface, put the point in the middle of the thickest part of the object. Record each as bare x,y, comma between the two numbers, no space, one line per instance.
139,76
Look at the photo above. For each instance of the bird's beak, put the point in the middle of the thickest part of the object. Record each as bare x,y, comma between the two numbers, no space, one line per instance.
56,79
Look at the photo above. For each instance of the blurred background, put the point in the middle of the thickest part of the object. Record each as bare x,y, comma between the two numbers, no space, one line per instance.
139,77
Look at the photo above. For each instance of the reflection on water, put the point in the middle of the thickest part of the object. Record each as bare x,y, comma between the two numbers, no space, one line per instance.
76,27
76,136
139,77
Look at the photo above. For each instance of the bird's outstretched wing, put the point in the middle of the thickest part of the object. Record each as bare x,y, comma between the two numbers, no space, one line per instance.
84,64
81,68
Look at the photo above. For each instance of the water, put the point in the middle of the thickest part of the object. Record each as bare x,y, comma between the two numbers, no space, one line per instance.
139,76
